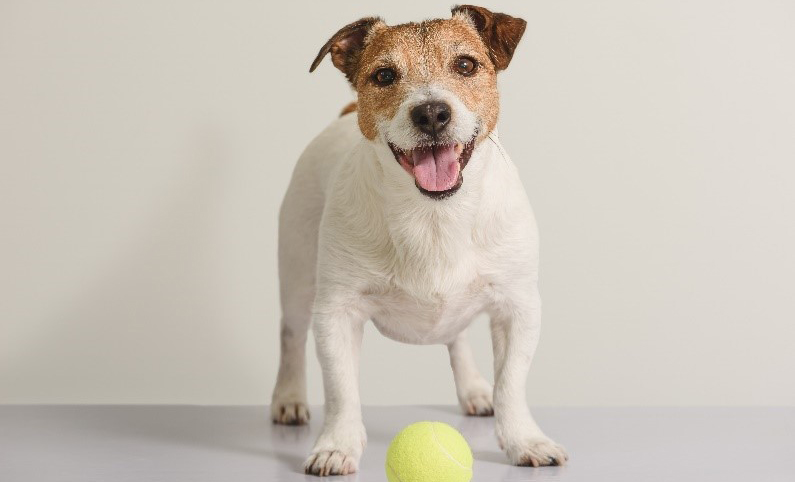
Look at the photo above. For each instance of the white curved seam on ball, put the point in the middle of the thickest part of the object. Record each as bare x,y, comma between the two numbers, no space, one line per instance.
444,450
391,469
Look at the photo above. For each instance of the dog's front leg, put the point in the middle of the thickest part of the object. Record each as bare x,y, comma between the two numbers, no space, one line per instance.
338,337
515,328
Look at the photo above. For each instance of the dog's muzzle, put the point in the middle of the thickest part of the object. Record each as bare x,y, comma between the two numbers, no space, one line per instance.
436,168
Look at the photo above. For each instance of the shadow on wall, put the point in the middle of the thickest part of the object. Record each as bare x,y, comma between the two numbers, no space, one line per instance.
163,289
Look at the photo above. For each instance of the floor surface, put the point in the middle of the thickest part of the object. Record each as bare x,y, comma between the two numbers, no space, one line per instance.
239,444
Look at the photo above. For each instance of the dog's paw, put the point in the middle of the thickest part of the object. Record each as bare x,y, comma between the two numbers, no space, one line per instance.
337,450
289,413
476,399
536,452
478,403
330,462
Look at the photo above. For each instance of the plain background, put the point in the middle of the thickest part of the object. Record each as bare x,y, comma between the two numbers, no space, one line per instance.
145,148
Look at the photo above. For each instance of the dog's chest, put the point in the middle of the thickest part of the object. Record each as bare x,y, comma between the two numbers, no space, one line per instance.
437,319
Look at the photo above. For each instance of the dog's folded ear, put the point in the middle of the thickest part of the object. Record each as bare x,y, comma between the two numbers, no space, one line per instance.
500,32
346,46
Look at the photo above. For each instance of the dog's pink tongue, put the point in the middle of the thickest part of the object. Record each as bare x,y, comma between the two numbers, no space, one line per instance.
436,169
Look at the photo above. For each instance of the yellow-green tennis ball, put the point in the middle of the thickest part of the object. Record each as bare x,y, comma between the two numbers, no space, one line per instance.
429,452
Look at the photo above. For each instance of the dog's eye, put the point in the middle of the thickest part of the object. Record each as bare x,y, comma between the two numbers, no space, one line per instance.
384,77
465,66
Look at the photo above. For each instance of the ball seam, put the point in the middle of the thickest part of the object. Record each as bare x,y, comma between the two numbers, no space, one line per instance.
444,450
393,471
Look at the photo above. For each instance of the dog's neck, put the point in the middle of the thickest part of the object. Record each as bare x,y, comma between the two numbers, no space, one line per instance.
432,239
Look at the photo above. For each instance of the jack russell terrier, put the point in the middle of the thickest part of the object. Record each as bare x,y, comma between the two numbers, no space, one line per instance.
408,212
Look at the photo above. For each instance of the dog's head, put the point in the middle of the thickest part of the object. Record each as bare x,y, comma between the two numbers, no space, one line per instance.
428,90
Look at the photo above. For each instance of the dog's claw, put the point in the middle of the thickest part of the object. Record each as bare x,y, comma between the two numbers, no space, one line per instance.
537,452
478,402
326,463
290,413
480,408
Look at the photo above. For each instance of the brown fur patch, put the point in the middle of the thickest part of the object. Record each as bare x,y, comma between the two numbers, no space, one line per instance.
500,32
346,45
348,109
422,54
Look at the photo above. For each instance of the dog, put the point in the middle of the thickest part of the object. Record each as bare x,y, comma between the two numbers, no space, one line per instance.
407,211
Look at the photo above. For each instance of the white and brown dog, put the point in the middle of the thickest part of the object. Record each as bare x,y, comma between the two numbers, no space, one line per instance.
409,213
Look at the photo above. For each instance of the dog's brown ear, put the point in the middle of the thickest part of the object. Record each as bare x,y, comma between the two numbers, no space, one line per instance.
346,46
500,32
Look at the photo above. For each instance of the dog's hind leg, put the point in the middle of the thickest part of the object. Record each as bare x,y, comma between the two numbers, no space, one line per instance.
474,392
289,405
298,228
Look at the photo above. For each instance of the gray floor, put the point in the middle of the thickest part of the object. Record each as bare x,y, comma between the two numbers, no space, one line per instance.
238,444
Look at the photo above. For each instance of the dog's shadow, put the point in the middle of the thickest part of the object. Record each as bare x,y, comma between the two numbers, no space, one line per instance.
245,435
233,431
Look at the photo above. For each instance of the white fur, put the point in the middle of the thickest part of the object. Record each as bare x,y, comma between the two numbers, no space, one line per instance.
401,132
359,242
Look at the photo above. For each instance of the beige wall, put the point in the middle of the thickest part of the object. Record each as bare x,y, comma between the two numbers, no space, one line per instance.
145,147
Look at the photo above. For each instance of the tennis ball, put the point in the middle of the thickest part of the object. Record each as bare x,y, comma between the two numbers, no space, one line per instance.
429,452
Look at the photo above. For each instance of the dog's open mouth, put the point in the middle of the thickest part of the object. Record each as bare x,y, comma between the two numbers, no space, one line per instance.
436,169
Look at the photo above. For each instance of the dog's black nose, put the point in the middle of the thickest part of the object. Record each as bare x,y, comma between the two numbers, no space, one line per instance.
431,117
